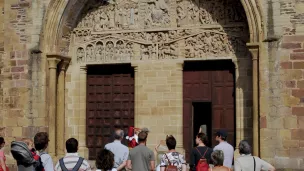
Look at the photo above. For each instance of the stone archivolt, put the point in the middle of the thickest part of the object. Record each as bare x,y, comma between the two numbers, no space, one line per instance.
134,30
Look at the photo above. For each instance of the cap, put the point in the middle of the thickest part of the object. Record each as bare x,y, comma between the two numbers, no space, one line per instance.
222,133
145,130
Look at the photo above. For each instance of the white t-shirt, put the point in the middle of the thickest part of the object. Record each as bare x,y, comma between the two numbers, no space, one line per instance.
246,162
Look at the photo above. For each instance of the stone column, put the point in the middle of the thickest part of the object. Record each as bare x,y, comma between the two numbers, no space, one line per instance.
52,63
254,51
60,116
238,107
179,90
83,150
136,83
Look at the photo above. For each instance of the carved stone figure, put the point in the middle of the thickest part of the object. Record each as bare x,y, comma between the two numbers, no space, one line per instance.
111,16
80,55
110,51
99,51
90,53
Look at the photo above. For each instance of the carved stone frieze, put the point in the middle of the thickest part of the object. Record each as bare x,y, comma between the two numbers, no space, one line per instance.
171,44
158,30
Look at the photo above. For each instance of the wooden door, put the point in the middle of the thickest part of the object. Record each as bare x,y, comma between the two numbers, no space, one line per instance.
223,104
110,104
197,87
209,81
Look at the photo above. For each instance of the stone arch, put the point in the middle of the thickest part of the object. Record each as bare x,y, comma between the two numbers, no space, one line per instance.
63,16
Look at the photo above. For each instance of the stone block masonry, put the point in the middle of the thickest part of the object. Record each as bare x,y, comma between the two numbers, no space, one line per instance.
159,100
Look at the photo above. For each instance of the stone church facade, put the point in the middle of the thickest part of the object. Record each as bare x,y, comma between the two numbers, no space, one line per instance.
81,68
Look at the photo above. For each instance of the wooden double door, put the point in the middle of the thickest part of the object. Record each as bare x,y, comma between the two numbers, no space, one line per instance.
110,104
208,99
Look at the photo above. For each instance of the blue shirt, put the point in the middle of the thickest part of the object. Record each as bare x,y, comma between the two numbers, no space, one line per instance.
120,151
47,161
228,152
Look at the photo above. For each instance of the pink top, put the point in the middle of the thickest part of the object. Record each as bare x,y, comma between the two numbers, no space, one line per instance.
2,156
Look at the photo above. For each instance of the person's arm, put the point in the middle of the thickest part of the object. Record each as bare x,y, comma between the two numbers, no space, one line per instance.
265,165
2,163
184,167
152,163
200,130
129,165
123,165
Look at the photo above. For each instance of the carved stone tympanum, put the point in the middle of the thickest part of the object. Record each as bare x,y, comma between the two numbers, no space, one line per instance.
130,30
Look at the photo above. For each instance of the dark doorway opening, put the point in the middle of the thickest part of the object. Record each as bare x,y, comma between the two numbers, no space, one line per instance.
202,116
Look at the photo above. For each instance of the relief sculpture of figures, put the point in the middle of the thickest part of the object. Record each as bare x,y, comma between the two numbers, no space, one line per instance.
116,16
157,13
112,32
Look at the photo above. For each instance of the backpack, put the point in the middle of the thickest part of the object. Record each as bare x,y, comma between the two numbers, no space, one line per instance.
39,166
76,168
202,164
22,154
170,167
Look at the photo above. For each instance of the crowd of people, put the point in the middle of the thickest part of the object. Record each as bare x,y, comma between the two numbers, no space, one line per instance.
31,155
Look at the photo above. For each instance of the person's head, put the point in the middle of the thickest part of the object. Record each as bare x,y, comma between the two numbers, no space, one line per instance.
28,142
145,129
142,137
2,142
217,157
244,147
201,138
71,145
170,142
41,141
105,160
221,135
118,134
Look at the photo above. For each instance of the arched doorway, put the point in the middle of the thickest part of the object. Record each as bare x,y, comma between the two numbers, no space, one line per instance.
161,31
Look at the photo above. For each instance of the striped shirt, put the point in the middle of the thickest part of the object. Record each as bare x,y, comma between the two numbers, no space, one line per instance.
70,160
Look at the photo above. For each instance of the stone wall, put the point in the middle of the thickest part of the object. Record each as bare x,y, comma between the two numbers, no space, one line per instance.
281,133
22,100
159,100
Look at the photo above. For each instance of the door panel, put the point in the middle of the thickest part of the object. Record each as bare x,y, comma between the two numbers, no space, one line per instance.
110,104
223,102
209,81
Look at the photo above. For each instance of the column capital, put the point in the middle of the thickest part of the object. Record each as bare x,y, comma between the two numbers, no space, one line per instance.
54,59
53,62
64,65
83,68
254,50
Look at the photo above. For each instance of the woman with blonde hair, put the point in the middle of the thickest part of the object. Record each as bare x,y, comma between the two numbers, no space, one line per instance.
217,158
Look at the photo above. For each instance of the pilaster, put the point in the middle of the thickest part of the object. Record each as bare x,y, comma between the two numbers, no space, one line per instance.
254,51
52,62
60,116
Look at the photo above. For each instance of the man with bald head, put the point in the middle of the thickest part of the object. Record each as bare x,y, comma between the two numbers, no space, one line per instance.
120,151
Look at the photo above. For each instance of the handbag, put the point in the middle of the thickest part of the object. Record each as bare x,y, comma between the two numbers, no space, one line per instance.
170,167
